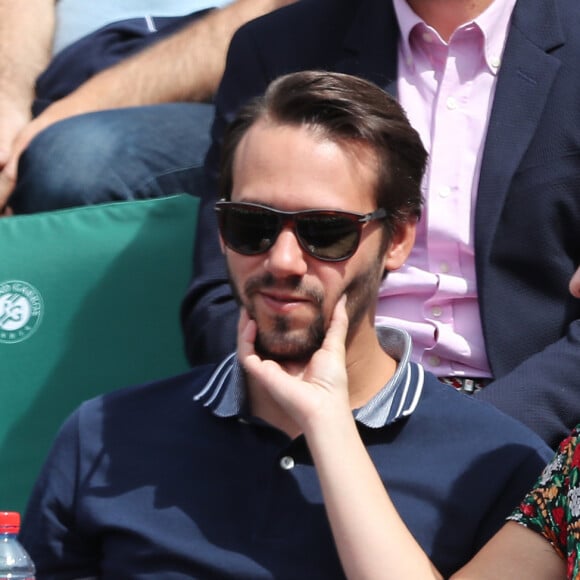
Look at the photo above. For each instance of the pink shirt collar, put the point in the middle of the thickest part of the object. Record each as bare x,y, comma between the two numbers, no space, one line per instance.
492,22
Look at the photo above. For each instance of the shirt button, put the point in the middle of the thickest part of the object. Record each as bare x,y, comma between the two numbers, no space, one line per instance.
434,361
287,463
451,103
495,61
444,267
436,311
427,37
444,191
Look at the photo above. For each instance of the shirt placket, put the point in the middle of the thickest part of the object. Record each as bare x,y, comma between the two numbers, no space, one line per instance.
448,187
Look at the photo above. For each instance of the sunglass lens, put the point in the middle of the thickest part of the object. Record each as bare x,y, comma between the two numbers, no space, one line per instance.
248,230
327,236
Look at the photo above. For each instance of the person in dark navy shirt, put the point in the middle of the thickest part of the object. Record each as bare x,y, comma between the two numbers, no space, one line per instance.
255,467
511,164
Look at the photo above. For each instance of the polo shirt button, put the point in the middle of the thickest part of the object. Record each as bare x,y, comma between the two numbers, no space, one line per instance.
287,463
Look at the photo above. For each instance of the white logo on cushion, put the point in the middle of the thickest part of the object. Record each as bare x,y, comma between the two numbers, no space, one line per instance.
21,309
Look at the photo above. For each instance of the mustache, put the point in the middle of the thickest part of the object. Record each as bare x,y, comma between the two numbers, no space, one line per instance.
293,283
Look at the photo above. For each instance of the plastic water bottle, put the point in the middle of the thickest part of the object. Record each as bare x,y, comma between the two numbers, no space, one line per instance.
15,563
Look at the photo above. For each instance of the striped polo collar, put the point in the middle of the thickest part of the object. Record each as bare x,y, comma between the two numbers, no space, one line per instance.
225,391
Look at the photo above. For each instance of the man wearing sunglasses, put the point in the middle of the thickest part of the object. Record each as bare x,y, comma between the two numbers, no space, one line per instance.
489,85
224,472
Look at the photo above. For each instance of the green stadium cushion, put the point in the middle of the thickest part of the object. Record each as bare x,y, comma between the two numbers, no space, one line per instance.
89,302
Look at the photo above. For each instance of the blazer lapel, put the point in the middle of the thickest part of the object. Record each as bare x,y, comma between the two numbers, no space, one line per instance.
525,79
371,45
524,83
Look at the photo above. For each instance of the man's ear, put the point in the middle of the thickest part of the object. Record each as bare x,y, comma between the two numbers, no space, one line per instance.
222,245
400,245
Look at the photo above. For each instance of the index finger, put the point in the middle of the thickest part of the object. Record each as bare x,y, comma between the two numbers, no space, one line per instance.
575,284
335,338
246,335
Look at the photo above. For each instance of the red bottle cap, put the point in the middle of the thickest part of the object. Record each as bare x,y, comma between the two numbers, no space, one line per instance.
9,522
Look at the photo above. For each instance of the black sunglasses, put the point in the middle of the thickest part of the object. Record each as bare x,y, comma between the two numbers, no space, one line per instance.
325,234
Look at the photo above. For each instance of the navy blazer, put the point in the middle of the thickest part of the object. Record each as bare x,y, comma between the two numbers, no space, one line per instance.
527,217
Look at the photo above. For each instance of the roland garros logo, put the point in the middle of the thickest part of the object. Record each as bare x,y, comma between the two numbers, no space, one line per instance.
21,309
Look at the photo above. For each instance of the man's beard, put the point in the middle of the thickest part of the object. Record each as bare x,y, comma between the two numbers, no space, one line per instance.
280,342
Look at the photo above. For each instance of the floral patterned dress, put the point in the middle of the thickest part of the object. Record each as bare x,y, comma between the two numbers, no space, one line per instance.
552,508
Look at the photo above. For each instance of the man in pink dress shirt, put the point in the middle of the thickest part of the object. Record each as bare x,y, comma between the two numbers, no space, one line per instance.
446,83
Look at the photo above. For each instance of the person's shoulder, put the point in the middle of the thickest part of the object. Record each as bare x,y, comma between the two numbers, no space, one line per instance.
318,16
138,410
467,414
152,395
301,10
548,20
569,19
154,416
564,8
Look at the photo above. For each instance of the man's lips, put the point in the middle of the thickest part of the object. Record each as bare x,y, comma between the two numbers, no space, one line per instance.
282,302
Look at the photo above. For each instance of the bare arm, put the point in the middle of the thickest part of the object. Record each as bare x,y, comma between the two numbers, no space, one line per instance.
372,540
26,31
514,552
187,66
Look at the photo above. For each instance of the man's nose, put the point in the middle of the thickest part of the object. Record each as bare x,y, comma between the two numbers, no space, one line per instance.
286,257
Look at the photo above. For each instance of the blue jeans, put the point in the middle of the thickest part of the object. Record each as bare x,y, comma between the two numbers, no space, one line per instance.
114,155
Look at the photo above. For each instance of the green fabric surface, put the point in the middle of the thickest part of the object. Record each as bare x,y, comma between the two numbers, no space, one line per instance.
89,302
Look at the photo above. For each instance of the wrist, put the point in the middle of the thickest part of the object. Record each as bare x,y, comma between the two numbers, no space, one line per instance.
14,106
330,427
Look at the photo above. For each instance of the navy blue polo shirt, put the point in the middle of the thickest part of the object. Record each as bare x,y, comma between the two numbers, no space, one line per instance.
175,479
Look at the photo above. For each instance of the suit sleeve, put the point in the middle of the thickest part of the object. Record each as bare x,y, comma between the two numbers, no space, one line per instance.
543,392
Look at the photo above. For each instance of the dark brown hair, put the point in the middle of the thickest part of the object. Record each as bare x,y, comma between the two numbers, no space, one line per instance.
346,110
